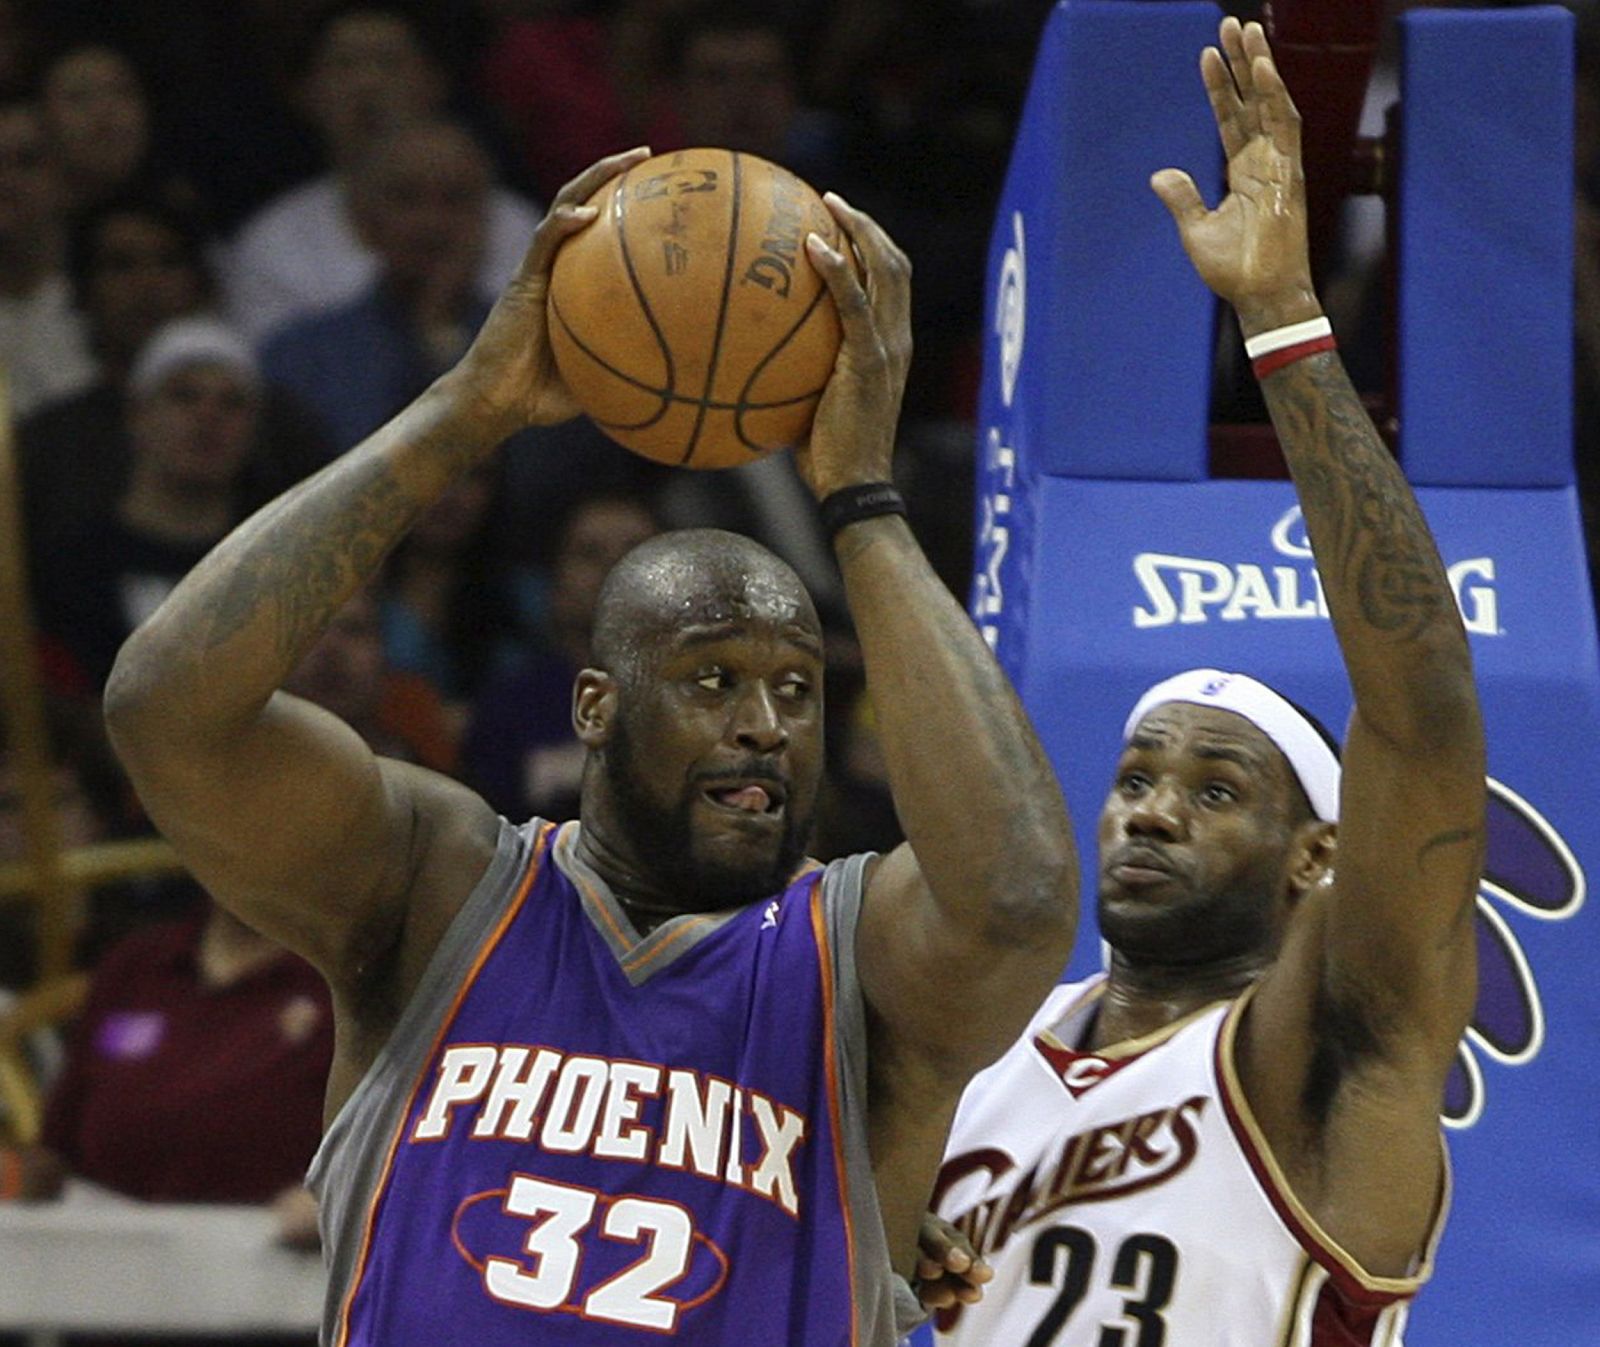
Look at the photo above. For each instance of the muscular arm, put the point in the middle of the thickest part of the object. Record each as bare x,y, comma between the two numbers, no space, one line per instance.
966,927
1346,1045
278,807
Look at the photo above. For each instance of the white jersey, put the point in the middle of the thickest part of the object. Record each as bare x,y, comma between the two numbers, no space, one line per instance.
1126,1198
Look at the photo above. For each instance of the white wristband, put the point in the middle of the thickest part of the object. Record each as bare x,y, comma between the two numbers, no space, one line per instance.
1265,343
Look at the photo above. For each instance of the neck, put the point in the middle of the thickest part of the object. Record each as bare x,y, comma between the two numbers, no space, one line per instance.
1142,997
646,904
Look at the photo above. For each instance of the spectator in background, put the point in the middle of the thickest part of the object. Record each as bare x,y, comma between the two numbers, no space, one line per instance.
193,404
87,791
520,751
43,350
367,75
421,197
195,1074
137,262
451,605
569,81
398,713
737,84
97,122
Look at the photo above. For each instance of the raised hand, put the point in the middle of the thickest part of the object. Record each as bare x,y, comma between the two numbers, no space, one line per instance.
1252,248
852,437
508,372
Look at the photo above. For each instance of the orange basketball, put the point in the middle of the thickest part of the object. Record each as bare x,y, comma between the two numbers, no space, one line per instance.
688,320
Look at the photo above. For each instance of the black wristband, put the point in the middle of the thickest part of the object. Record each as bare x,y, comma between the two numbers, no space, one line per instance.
864,500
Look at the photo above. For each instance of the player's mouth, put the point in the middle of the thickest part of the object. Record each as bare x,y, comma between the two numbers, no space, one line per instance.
1139,868
747,797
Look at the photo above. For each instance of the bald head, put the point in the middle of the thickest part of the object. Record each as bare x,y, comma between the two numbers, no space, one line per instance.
693,578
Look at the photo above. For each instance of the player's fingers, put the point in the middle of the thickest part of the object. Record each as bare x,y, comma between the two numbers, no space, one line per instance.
569,211
840,277
1224,97
888,270
1280,119
579,189
1231,38
1179,195
936,1295
980,1272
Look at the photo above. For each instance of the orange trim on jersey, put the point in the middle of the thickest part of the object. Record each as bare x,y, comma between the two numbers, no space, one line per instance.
1353,1281
637,961
819,930
484,951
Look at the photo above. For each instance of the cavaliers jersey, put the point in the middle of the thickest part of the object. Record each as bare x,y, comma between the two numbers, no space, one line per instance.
578,1136
1126,1198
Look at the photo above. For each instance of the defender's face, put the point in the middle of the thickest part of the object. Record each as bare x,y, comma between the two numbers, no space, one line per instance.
1194,838
716,755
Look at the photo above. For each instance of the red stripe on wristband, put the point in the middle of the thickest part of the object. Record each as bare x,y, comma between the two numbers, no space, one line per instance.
1274,361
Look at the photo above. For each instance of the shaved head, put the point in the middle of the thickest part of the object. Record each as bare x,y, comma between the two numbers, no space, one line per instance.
692,577
703,710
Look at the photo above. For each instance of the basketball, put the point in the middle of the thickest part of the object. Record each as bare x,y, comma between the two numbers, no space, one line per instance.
688,320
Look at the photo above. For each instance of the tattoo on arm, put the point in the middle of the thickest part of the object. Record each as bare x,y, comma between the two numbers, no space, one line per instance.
1444,849
320,538
1373,542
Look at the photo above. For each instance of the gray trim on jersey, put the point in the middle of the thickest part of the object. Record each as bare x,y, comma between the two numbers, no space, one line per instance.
349,1164
886,1307
632,956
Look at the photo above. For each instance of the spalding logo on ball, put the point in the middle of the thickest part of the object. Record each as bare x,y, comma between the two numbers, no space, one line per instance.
688,320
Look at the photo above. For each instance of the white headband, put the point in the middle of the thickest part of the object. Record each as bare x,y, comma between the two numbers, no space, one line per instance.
1312,761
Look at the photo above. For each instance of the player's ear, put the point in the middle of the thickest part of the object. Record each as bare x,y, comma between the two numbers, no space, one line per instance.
594,707
1311,857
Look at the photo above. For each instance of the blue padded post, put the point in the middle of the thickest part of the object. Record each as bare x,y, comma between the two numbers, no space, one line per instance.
1486,247
1114,308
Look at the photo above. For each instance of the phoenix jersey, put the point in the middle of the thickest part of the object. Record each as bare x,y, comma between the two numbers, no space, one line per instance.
577,1136
1127,1197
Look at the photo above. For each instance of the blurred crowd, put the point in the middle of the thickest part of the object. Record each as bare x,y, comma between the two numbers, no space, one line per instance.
235,238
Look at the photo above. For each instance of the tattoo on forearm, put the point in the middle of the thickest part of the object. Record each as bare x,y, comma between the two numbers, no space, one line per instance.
320,539
1371,538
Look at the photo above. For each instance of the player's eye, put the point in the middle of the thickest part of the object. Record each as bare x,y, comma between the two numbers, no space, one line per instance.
1217,792
794,689
715,679
1133,783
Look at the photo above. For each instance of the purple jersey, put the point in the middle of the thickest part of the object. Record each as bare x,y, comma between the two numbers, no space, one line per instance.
577,1136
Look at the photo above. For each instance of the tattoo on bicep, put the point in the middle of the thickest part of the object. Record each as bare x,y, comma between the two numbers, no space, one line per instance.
1455,857
319,538
1371,539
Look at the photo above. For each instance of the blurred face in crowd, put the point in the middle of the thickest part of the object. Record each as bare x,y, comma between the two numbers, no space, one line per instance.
737,89
598,535
194,429
369,75
28,188
343,671
421,202
95,116
141,277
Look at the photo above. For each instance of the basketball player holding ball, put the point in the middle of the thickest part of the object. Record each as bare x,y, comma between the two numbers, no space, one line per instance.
1232,1137
650,1072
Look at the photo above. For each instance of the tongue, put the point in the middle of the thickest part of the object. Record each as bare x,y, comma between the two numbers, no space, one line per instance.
752,798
